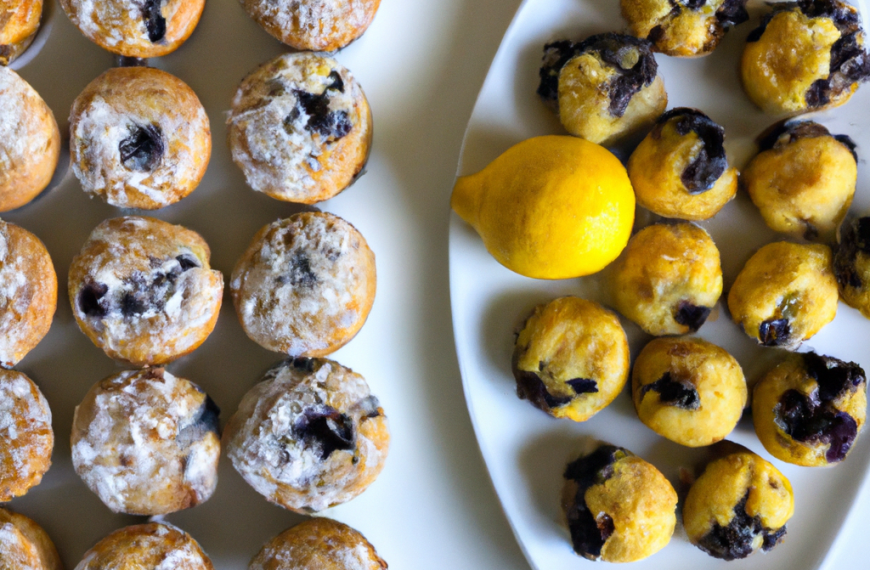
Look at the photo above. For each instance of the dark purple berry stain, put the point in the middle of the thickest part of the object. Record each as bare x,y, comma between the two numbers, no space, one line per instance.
143,148
335,82
530,387
707,167
332,125
673,392
583,385
90,299
774,332
854,240
325,428
732,13
206,420
370,407
300,274
303,364
690,315
155,23
735,540
784,133
187,262
556,55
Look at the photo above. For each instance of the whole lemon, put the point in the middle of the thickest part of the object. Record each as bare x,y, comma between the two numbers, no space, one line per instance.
550,207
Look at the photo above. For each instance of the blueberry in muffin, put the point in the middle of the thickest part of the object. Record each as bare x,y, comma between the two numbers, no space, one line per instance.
852,264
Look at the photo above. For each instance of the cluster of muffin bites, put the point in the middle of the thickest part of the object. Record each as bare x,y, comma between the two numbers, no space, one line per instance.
571,355
310,435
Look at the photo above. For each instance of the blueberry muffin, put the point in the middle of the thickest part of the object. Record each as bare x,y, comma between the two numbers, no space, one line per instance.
852,264
683,28
803,179
688,390
151,546
810,409
668,279
305,285
135,28
29,142
740,505
300,128
24,545
18,27
140,138
309,436
313,25
680,169
619,507
785,294
605,88
142,290
26,437
318,544
570,358
805,56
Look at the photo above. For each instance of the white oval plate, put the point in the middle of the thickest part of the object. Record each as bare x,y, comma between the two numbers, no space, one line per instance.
525,449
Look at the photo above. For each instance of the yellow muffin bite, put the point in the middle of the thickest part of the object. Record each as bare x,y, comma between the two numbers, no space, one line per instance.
24,545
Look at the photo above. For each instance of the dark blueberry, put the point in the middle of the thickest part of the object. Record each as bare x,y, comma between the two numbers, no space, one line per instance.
655,34
705,169
370,407
325,428
595,468
693,4
784,133
155,23
772,538
187,262
131,305
143,148
301,274
556,55
89,299
690,315
862,233
303,364
847,141
834,376
530,387
774,332
206,420
336,82
735,540
583,385
756,34
732,13
673,392
329,124
854,239
808,420
846,19
819,93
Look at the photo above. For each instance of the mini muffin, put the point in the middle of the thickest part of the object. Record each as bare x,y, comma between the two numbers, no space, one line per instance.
24,545
142,290
852,264
300,128
29,142
680,169
803,179
309,436
146,442
619,507
313,25
604,88
318,544
810,409
738,506
570,358
135,28
18,26
140,138
785,294
683,28
152,546
305,285
805,56
28,297
668,279
26,437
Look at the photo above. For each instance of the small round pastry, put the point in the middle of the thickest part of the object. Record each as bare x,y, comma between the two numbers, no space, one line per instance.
29,142
28,296
619,507
147,443
18,27
570,358
683,28
300,128
135,28
680,169
803,179
313,25
305,285
688,390
318,544
805,56
309,436
668,279
852,264
605,88
140,138
785,294
26,437
151,546
810,409
142,290
24,545
740,505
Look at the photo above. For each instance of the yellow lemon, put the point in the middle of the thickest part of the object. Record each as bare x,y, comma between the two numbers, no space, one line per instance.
550,207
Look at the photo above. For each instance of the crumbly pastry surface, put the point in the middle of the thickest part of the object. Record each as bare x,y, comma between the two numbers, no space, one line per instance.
309,436
852,264
24,545
26,437
152,546
300,128
305,285
19,22
147,442
142,290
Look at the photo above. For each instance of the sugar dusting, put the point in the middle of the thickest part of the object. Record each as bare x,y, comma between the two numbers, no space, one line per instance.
16,295
21,137
16,551
25,427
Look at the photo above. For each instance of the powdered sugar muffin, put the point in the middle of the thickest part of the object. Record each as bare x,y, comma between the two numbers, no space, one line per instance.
316,25
318,544
135,28
146,442
29,142
28,293
305,285
18,26
300,128
26,437
140,138
24,545
152,546
142,290
309,436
